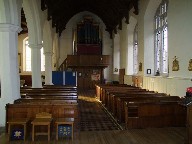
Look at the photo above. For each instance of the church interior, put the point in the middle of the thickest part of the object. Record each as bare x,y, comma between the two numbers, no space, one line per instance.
99,71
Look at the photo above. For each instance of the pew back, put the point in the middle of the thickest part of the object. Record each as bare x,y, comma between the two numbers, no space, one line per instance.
14,111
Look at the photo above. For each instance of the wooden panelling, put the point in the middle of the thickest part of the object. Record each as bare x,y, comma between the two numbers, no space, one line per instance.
30,110
84,80
88,60
121,76
83,49
139,108
169,85
189,125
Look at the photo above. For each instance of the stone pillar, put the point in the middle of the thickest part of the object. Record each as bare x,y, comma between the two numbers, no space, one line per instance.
10,81
36,65
48,68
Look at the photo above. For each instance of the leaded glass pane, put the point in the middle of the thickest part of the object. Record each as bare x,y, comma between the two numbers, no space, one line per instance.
135,51
161,39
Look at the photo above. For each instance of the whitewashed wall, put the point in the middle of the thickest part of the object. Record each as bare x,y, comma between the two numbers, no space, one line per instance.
116,54
169,85
123,45
108,50
179,37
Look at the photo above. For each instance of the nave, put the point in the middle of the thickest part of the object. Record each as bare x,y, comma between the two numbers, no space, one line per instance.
97,127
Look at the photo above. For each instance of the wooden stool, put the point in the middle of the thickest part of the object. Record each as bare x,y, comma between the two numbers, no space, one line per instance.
22,121
42,119
67,121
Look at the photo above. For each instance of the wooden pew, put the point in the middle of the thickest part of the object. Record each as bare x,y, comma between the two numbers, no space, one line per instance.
50,100
110,93
51,87
60,101
121,103
62,86
154,114
114,97
24,110
100,87
66,92
105,91
44,94
46,90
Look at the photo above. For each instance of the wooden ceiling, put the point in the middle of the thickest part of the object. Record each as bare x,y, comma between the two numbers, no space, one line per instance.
23,23
110,11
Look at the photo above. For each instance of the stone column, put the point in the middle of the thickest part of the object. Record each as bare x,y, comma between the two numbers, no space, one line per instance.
36,65
10,81
48,68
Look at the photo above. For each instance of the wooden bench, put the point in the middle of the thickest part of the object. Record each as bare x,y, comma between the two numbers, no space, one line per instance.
154,114
114,97
58,101
52,86
51,89
53,95
110,95
105,90
14,111
49,100
121,103
101,87
46,91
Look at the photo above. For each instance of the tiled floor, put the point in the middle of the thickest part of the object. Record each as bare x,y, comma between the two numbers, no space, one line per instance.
93,116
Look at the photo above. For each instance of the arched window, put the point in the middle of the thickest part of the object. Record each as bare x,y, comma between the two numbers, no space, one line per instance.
135,50
161,39
27,57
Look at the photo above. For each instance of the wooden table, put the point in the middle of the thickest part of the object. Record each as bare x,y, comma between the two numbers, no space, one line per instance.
41,122
67,121
22,121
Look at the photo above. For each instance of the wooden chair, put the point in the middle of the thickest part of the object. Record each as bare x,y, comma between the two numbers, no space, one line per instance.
42,119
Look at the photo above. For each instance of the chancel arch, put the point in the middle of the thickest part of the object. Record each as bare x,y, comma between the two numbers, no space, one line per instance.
33,15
